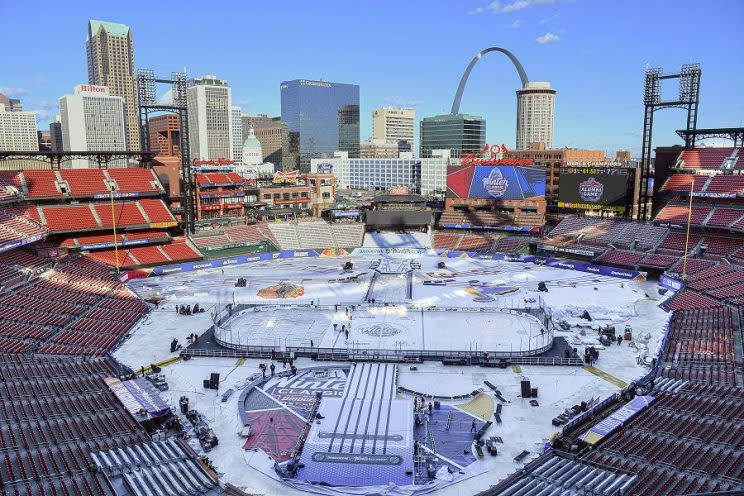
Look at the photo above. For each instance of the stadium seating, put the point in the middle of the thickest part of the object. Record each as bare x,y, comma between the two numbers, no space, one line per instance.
723,246
124,214
678,214
16,226
723,217
41,312
621,258
675,242
312,234
84,183
704,158
680,183
135,180
726,184
65,401
97,216
157,212
145,256
689,300
476,218
9,187
659,261
40,183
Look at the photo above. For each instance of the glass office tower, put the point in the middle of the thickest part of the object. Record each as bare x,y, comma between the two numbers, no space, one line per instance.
323,115
459,133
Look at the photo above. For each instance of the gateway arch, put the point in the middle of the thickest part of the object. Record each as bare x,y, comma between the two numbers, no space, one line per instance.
466,74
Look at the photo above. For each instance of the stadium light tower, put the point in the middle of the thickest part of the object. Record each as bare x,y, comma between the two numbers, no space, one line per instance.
688,98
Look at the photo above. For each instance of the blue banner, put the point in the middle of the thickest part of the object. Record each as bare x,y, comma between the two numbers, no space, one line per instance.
21,242
604,428
218,263
670,283
560,263
533,229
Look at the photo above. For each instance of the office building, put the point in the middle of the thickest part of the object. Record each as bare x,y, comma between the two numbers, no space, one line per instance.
92,120
110,50
165,135
17,130
209,102
237,134
323,116
378,148
535,114
554,159
55,134
11,104
394,125
458,133
426,176
272,133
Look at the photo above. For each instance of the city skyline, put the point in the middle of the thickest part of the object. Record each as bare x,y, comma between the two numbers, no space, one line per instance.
599,103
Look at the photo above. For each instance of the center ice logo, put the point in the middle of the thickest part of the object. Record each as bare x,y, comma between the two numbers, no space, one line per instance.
496,184
591,190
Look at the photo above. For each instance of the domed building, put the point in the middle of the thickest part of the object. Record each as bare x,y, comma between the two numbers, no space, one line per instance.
252,154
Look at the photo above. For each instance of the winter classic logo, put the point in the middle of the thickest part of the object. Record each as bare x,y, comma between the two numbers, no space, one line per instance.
591,190
496,184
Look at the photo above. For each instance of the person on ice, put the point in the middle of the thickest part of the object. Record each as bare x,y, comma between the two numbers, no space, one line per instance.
473,426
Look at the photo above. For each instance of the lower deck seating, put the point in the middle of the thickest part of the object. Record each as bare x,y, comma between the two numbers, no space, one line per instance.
66,401
63,312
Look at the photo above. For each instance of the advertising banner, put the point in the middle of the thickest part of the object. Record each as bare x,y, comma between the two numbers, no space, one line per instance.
527,229
495,182
670,283
138,395
601,430
15,244
595,188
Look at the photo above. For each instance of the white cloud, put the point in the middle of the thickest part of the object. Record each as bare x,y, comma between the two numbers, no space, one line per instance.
398,101
245,102
514,6
547,38
13,92
517,23
550,19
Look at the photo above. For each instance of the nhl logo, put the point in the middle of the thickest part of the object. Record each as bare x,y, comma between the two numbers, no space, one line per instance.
496,184
591,190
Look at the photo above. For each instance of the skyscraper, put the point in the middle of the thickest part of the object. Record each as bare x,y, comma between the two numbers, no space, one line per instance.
209,102
55,134
458,133
322,117
110,49
17,130
394,125
237,134
535,113
11,104
92,120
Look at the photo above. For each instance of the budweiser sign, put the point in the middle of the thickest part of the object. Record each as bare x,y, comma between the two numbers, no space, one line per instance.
492,155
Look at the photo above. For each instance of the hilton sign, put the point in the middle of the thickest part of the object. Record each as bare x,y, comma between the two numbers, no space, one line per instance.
91,88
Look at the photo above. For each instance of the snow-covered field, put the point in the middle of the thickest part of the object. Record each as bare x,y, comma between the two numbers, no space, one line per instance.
608,300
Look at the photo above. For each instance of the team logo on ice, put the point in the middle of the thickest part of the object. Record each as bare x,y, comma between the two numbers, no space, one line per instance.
496,184
591,190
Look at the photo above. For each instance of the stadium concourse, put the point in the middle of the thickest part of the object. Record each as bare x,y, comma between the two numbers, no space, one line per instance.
422,394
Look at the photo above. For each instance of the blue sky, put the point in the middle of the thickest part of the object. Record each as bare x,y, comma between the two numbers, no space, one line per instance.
407,53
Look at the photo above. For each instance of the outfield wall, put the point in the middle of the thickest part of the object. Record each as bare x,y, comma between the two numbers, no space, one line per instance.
218,263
